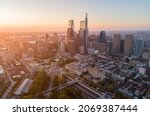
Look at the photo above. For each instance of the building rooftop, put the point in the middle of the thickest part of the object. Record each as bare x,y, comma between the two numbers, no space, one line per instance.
22,86
33,64
1,69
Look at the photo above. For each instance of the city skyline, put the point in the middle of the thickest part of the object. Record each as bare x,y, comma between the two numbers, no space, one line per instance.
53,15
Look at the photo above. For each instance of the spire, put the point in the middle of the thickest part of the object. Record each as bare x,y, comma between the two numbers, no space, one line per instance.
86,21
86,15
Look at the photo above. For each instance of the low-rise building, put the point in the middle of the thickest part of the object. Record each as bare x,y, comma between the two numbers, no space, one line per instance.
76,68
97,73
2,73
23,87
125,92
33,67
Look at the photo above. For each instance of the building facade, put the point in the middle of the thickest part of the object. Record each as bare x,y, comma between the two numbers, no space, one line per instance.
102,37
116,43
83,34
128,45
138,47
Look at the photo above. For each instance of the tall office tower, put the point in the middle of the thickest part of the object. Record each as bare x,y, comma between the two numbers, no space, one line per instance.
102,38
138,47
122,46
86,31
70,34
108,46
116,43
128,45
83,34
101,47
71,24
70,30
71,47
62,46
41,47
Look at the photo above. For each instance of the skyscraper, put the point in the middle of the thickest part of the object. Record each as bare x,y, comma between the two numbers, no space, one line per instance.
62,46
70,30
71,47
128,45
83,33
138,47
41,47
122,46
116,43
82,25
71,24
86,31
102,37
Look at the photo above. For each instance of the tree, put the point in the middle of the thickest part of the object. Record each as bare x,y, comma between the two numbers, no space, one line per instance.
53,94
63,96
34,89
30,96
40,83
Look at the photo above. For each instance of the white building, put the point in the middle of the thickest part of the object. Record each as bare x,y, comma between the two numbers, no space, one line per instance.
23,87
97,73
2,73
33,67
62,46
142,71
76,68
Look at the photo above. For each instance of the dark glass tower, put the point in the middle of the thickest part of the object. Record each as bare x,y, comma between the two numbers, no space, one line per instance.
102,38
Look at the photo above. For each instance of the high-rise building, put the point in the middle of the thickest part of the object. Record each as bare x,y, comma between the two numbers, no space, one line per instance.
70,34
86,33
71,24
62,46
108,47
41,47
81,37
101,47
70,30
128,45
102,38
122,46
116,43
82,25
83,33
138,47
71,47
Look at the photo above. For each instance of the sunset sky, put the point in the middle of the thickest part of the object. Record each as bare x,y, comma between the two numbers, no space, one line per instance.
53,15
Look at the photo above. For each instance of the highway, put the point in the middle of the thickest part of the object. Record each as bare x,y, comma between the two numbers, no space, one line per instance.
87,91
87,94
69,83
